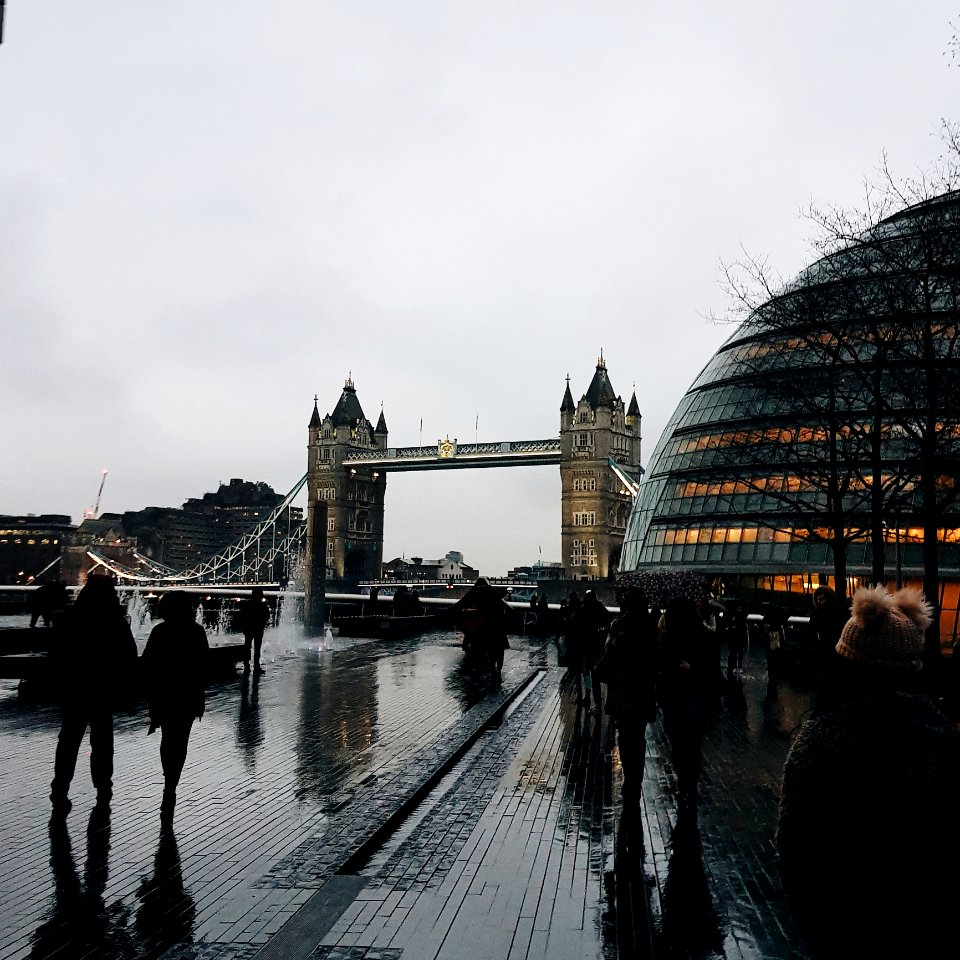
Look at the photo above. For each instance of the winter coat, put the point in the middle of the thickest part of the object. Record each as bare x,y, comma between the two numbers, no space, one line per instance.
94,657
868,850
689,673
587,633
253,617
628,666
175,666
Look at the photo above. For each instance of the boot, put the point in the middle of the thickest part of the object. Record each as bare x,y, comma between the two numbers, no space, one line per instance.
167,804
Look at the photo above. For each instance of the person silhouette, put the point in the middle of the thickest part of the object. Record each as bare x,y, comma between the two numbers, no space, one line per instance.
587,634
481,614
687,691
370,605
254,615
866,781
176,664
93,658
47,601
629,666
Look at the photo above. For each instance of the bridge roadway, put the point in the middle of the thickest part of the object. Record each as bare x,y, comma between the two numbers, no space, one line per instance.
377,801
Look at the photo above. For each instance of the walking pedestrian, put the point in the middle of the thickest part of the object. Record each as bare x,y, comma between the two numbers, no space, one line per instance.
543,615
826,622
864,848
737,636
254,616
628,666
175,662
687,692
481,614
94,656
47,602
587,634
774,635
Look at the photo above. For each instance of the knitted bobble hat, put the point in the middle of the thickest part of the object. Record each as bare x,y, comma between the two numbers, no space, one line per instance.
884,630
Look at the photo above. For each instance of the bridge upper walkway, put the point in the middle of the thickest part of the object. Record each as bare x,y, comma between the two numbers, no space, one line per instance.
449,454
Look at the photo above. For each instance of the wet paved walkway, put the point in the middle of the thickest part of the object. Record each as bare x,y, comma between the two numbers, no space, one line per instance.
371,800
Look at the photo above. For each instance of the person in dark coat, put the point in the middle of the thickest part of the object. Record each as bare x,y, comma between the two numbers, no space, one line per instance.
47,601
774,637
628,667
587,634
401,601
482,616
865,842
737,637
175,667
94,656
543,615
826,623
254,616
371,604
687,691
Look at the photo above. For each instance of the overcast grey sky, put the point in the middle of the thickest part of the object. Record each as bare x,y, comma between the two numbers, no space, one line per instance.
212,211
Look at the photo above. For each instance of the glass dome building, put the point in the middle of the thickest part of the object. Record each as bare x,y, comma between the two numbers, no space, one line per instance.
828,423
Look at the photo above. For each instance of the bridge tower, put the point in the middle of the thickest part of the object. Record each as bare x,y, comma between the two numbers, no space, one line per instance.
352,496
594,505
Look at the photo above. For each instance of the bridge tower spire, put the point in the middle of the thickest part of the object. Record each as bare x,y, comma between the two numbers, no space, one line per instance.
594,505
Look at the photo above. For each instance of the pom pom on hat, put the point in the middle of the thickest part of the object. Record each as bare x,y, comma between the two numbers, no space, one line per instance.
886,631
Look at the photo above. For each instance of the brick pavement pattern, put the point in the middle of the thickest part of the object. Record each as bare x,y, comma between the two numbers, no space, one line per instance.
373,800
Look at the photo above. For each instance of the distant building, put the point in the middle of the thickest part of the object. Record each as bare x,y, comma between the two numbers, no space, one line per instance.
203,527
31,543
451,568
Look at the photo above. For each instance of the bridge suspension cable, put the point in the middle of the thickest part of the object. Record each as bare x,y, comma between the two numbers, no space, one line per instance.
233,564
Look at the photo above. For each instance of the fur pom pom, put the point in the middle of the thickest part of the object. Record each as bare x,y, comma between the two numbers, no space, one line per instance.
870,607
913,604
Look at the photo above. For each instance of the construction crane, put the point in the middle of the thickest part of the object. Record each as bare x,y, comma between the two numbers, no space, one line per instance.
91,513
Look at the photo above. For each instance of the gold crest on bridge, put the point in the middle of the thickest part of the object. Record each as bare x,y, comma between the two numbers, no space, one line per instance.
447,448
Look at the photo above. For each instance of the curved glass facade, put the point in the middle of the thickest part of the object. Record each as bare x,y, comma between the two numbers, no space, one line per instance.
824,413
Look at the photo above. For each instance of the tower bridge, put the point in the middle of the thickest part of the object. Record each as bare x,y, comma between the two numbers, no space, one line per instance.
349,460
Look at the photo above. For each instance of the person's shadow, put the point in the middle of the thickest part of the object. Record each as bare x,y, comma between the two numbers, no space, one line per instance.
691,925
249,726
631,890
80,922
167,912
